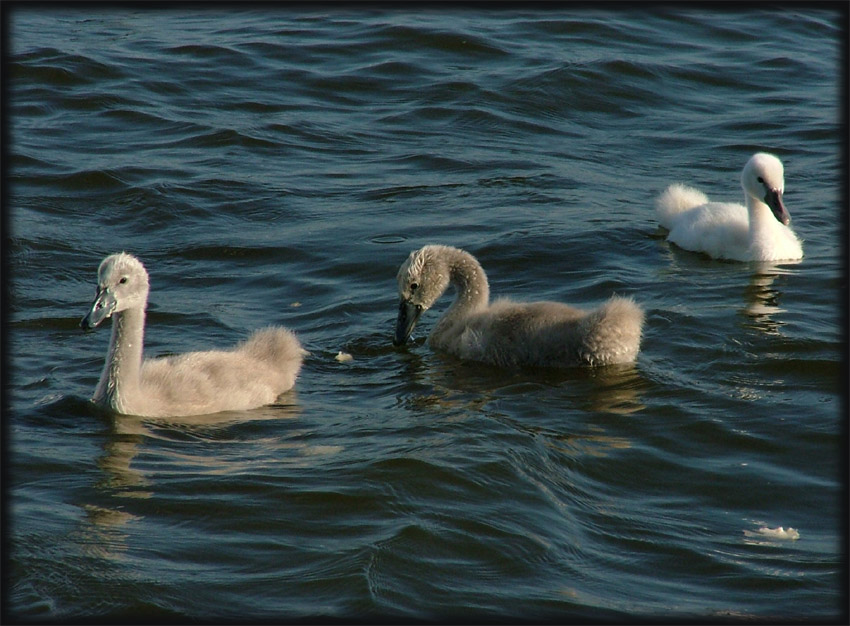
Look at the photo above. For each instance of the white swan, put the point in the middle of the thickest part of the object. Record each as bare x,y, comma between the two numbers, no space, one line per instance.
505,333
757,232
252,374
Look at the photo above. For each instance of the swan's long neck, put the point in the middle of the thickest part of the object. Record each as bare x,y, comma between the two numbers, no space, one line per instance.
470,283
121,373
764,227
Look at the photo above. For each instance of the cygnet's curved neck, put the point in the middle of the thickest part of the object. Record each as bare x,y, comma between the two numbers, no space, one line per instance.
470,282
121,373
763,225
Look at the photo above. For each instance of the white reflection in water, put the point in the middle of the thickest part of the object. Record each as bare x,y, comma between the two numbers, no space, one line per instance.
173,443
761,299
465,390
130,434
100,534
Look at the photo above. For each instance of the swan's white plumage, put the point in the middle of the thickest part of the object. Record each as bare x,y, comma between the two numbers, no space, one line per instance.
755,232
252,374
507,333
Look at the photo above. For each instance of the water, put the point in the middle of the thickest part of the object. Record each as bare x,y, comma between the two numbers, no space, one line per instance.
277,166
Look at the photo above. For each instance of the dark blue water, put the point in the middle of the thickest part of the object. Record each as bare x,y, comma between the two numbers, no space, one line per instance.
275,165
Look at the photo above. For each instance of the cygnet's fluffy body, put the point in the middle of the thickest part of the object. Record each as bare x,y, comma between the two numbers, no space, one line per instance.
252,374
505,333
756,232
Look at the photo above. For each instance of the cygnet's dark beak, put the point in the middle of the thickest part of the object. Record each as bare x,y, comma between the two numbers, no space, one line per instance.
773,199
408,315
102,307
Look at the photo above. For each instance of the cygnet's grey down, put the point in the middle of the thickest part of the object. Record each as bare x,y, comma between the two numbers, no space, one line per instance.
252,374
725,230
505,333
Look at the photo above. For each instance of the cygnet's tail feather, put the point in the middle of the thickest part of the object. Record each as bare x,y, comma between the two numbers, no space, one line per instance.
613,332
272,342
277,346
675,199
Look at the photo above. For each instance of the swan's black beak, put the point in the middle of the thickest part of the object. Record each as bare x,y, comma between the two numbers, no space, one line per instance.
102,307
408,315
773,199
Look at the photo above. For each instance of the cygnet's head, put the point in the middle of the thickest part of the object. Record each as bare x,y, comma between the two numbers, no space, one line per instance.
763,179
122,283
422,278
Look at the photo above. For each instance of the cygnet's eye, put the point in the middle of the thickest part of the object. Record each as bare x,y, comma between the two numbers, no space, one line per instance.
414,287
760,179
123,280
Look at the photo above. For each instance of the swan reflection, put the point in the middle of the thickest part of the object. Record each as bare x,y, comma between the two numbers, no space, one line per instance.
445,386
762,299
135,444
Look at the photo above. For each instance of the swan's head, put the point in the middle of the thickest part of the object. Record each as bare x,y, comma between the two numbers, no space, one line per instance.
122,283
422,278
764,180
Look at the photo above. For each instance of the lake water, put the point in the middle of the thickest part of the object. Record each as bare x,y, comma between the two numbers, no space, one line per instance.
275,165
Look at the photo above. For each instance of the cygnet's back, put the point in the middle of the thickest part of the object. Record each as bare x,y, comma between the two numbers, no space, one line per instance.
254,373
551,334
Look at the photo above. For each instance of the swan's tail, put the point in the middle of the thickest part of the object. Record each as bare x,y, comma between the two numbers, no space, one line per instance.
278,348
675,199
613,332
